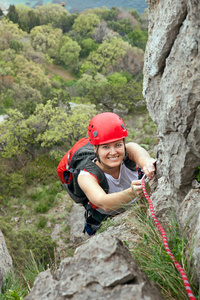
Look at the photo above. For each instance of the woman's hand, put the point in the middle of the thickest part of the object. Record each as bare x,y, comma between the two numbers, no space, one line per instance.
149,168
139,155
137,188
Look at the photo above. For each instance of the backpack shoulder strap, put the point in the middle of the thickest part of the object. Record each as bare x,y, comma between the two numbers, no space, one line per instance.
73,188
92,168
130,164
133,167
81,155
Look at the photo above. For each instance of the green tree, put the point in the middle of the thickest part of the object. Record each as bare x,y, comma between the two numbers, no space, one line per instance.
12,14
6,99
69,52
108,55
65,21
9,31
14,135
15,45
116,79
137,38
87,67
46,39
49,13
6,62
25,98
135,13
122,96
110,14
65,128
22,11
88,82
28,17
87,46
122,26
111,92
49,127
31,73
33,20
1,12
85,24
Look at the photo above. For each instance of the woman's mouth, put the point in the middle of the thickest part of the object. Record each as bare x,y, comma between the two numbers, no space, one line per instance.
113,158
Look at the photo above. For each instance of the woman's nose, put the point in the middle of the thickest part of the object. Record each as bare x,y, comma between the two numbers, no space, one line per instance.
112,150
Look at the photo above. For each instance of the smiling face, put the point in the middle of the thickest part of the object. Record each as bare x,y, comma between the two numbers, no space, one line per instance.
111,154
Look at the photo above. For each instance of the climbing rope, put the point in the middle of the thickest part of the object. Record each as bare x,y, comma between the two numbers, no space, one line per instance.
177,265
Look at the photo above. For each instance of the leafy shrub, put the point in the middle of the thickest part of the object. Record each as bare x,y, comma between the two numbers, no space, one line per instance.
41,170
11,295
22,241
7,102
10,184
16,182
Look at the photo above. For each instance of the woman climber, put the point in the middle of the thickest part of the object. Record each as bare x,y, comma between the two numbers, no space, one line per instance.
117,160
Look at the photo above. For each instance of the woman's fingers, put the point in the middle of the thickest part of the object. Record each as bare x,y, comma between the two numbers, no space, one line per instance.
149,169
137,188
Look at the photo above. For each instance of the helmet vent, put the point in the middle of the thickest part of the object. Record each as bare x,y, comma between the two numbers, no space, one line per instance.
95,133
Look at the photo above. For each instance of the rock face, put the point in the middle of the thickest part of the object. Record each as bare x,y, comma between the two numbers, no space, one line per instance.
102,268
76,222
172,92
5,260
120,227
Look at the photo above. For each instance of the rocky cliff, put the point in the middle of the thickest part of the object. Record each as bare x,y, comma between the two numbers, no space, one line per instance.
172,92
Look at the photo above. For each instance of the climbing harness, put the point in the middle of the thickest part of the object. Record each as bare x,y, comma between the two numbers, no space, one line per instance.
177,265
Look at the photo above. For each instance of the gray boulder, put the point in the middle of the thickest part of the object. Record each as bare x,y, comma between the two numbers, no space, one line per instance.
5,260
102,268
76,222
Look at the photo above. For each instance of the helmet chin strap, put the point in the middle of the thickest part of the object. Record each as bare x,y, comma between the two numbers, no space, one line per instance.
96,153
125,155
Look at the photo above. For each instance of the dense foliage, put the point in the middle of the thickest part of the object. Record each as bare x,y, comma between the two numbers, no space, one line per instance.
98,52
97,43
57,70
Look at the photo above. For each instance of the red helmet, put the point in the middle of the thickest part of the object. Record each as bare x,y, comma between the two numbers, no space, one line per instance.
105,128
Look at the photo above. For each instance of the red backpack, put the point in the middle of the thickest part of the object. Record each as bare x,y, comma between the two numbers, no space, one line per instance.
65,163
79,157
